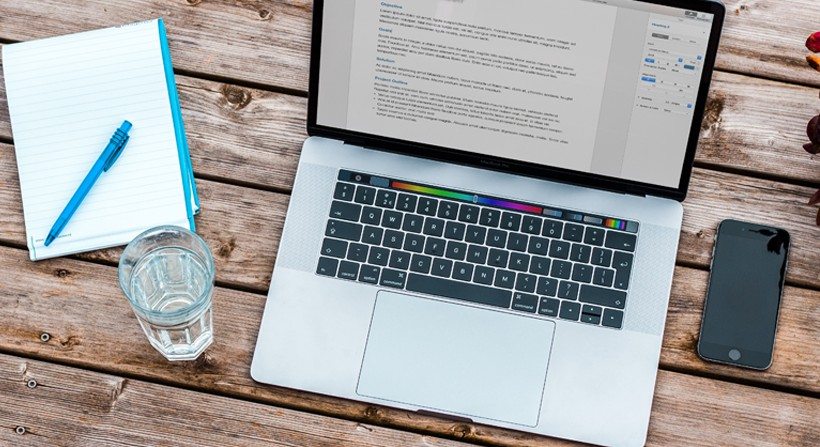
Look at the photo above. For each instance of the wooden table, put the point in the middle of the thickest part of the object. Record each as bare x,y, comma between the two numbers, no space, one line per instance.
76,370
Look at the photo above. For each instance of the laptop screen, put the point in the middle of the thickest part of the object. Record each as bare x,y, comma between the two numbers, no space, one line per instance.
606,87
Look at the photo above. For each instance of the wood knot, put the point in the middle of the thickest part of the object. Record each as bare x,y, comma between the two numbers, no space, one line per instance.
462,430
372,413
265,14
193,2
62,273
226,248
236,97
206,362
700,234
714,109
70,342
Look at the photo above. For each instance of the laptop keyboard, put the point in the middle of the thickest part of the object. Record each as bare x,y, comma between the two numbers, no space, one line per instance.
550,262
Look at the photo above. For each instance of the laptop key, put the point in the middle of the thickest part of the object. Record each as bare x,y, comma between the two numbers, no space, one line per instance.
372,235
468,213
371,215
613,318
378,256
573,232
547,286
540,265
327,266
505,279
385,198
519,262
477,254
531,225
601,256
549,306
462,271
620,241
475,234
391,219
344,230
343,191
594,236
459,290
498,258
603,277
412,223
334,248
406,202
421,263
591,319
369,274
393,239
490,217
552,228
570,310
582,273
345,211
510,221
393,278
348,270
483,275
602,297
525,282
433,227
622,262
427,206
414,243
357,252
568,290
538,245
497,238
580,253
399,260
447,209
525,302
456,250
442,267
592,310
517,242
365,195
454,230
560,269
434,246
559,249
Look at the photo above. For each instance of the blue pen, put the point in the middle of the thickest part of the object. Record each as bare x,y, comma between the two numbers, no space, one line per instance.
109,156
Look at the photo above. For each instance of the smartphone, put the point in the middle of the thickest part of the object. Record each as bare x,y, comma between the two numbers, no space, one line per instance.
743,300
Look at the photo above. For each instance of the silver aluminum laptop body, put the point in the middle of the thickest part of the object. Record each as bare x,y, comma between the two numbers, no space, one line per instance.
436,355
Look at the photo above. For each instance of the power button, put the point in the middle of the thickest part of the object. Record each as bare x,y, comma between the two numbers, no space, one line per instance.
734,354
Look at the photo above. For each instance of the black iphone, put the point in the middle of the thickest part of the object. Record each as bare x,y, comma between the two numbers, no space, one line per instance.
743,300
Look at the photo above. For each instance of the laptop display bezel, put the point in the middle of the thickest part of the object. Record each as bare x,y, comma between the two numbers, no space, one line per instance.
540,171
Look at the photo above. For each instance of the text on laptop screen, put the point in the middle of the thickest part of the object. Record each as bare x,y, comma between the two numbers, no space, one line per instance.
600,86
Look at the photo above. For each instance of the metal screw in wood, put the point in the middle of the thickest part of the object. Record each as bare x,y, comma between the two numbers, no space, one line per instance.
20,430
31,383
45,337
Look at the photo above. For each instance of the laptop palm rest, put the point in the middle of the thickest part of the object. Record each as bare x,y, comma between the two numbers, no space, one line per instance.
456,359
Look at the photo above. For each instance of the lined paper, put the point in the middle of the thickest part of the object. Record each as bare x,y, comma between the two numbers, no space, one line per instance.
67,95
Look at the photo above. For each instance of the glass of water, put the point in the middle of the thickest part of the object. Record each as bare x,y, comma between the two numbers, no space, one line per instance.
167,274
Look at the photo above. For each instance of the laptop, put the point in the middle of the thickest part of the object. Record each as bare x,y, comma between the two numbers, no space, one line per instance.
486,213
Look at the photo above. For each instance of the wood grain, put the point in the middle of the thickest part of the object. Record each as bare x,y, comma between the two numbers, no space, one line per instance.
66,299
267,42
74,407
253,136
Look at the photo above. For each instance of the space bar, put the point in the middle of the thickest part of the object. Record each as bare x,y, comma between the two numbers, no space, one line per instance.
459,290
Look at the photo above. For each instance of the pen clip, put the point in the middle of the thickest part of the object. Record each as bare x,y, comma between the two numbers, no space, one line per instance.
116,154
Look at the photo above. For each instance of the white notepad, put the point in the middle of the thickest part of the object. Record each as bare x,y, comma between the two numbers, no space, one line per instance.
67,95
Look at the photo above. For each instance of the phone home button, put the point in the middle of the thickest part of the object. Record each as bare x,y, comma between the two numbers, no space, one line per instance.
734,354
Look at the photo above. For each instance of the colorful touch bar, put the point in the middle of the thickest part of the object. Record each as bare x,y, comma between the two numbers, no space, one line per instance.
480,200
616,224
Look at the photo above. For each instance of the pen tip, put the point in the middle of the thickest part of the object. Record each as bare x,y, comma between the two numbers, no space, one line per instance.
126,126
49,240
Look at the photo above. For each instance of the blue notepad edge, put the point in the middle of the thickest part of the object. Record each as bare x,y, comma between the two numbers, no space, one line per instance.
188,182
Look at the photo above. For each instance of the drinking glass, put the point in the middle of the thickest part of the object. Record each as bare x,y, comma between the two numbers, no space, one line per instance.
167,274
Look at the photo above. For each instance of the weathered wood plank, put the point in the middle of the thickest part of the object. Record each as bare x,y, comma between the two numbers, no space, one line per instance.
233,217
73,407
267,42
65,298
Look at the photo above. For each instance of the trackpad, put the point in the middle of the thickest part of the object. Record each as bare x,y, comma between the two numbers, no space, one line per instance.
456,359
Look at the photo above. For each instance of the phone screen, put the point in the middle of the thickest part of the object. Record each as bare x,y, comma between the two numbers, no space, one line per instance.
740,315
